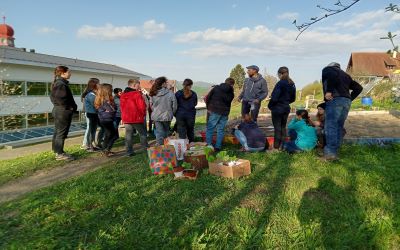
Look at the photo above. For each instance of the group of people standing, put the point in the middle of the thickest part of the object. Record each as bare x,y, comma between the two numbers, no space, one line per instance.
304,134
132,105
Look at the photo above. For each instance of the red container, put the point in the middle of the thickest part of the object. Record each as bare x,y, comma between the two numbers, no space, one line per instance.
203,137
271,140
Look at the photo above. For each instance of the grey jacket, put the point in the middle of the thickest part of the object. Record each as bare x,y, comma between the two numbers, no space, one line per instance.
164,105
254,88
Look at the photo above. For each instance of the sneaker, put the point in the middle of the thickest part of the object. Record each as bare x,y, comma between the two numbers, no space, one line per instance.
130,154
64,157
91,150
329,158
273,151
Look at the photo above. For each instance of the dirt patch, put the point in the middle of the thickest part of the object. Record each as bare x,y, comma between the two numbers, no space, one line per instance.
357,125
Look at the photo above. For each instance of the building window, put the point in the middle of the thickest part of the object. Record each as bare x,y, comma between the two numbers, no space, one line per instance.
36,88
75,89
12,88
37,120
12,122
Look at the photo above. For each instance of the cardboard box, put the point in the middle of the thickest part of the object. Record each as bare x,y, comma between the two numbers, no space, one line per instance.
243,169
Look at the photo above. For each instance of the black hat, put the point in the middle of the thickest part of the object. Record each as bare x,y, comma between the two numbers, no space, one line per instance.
322,105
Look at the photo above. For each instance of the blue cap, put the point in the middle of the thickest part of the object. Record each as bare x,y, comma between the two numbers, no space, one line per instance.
253,67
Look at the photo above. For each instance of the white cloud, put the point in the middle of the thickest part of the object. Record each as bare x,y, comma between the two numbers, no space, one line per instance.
47,30
149,30
288,16
315,42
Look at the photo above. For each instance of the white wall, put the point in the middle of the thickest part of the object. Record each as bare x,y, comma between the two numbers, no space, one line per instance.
10,105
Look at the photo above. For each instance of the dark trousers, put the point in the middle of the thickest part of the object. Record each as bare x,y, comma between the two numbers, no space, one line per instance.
129,131
100,136
117,121
62,123
248,109
109,134
93,123
185,128
279,121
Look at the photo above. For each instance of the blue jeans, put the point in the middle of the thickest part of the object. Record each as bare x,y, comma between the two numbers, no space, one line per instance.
291,146
84,143
161,131
243,140
335,116
216,121
117,121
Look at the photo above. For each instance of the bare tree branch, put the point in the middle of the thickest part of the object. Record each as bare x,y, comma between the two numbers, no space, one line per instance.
339,7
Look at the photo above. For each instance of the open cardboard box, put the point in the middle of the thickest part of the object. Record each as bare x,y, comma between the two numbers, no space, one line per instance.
218,169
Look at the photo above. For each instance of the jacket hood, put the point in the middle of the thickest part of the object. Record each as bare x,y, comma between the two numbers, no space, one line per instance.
259,76
226,87
163,92
128,89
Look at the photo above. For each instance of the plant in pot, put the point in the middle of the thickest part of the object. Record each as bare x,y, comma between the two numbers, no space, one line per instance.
226,160
188,170
178,171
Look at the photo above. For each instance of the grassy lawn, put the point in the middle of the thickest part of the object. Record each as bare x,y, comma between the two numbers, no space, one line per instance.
289,201
26,165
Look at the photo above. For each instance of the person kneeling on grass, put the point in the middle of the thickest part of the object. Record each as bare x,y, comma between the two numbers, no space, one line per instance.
303,136
250,136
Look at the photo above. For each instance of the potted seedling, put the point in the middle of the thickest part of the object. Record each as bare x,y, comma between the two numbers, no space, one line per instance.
178,171
226,160
188,170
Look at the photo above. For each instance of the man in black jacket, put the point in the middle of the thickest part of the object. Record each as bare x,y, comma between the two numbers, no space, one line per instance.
336,86
64,107
219,105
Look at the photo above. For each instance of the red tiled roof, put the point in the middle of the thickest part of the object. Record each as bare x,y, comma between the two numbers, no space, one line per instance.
373,64
146,84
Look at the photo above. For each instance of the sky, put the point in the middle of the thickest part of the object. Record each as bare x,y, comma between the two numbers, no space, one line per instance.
202,40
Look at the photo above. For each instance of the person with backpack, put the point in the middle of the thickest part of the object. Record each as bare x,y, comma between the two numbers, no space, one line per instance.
133,111
106,109
164,105
218,103
282,96
186,112
63,110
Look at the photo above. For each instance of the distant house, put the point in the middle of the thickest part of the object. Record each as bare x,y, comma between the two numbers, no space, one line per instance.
371,68
146,84
373,64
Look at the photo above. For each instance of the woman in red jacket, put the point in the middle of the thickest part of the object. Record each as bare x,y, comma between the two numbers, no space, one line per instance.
133,111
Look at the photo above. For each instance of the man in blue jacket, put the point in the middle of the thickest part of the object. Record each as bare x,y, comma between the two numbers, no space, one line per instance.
254,91
337,85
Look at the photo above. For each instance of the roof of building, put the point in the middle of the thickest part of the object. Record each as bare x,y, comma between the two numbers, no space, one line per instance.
22,57
146,84
6,31
373,64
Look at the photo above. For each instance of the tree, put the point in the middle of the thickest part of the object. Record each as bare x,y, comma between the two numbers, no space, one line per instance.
239,75
271,82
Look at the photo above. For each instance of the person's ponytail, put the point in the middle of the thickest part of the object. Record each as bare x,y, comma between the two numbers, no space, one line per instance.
58,71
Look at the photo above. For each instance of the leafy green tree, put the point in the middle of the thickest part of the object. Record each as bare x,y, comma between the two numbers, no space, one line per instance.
239,75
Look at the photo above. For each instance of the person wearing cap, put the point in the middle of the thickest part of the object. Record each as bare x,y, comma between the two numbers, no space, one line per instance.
254,91
339,91
186,112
